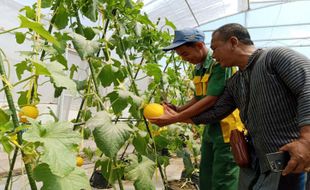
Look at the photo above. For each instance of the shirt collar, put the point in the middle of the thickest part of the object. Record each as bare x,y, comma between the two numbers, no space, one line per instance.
252,58
207,62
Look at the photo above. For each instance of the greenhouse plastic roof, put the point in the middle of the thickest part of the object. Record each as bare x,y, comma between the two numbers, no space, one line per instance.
192,13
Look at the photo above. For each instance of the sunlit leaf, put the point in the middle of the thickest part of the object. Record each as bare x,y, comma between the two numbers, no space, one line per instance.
46,3
109,137
141,171
4,117
21,68
169,23
100,119
153,69
75,180
85,48
58,139
60,78
125,94
41,69
7,146
38,28
22,100
30,13
20,37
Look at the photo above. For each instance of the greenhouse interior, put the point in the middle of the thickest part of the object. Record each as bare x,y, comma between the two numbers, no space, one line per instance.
124,112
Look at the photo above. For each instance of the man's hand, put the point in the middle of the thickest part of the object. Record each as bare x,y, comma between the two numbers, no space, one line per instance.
171,106
300,156
169,117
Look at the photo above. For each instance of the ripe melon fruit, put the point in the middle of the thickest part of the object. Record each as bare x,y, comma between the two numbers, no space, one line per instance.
29,111
153,110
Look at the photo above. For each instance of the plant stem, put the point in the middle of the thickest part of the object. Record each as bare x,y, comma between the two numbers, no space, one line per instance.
19,82
7,31
137,93
10,101
11,169
50,28
118,175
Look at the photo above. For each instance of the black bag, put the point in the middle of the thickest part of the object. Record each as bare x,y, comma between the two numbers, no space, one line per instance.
98,181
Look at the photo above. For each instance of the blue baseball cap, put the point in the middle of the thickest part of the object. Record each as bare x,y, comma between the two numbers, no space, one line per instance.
184,36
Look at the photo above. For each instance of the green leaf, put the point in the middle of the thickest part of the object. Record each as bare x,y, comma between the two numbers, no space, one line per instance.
188,165
38,28
90,10
7,147
58,140
140,144
118,104
106,76
100,119
73,69
108,171
21,68
60,78
144,19
141,172
61,17
89,33
30,13
60,59
4,117
22,100
169,23
75,180
6,127
46,3
125,94
112,73
41,69
153,69
20,37
109,137
85,48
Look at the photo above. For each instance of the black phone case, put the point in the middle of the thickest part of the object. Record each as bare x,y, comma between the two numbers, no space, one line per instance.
278,160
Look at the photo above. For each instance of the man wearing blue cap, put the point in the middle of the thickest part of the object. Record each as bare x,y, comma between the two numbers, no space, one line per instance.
218,171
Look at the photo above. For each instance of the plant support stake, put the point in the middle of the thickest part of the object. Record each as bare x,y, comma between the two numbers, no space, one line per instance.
15,124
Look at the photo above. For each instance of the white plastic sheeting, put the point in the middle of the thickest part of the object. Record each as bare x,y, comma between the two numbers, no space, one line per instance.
192,13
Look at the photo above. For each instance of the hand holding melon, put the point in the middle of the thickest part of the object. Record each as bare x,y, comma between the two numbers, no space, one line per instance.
153,110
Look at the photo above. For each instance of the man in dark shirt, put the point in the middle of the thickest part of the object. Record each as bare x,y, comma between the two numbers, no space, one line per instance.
272,92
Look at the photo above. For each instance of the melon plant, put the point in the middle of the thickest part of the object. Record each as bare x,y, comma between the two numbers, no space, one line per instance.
121,46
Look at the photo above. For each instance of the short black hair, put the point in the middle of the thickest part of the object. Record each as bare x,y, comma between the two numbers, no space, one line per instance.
234,29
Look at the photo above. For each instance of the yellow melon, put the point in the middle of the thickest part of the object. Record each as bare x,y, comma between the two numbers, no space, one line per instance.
153,110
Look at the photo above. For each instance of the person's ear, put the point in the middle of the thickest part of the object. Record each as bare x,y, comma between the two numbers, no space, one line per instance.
234,42
200,45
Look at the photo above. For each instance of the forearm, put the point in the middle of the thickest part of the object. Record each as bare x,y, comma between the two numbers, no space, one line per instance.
222,108
197,108
305,134
187,105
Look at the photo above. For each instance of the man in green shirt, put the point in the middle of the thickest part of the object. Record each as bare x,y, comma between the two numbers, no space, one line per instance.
218,171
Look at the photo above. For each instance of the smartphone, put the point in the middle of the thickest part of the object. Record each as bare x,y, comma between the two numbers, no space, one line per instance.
278,160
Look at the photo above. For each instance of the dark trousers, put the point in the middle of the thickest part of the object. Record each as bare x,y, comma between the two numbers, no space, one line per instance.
252,179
